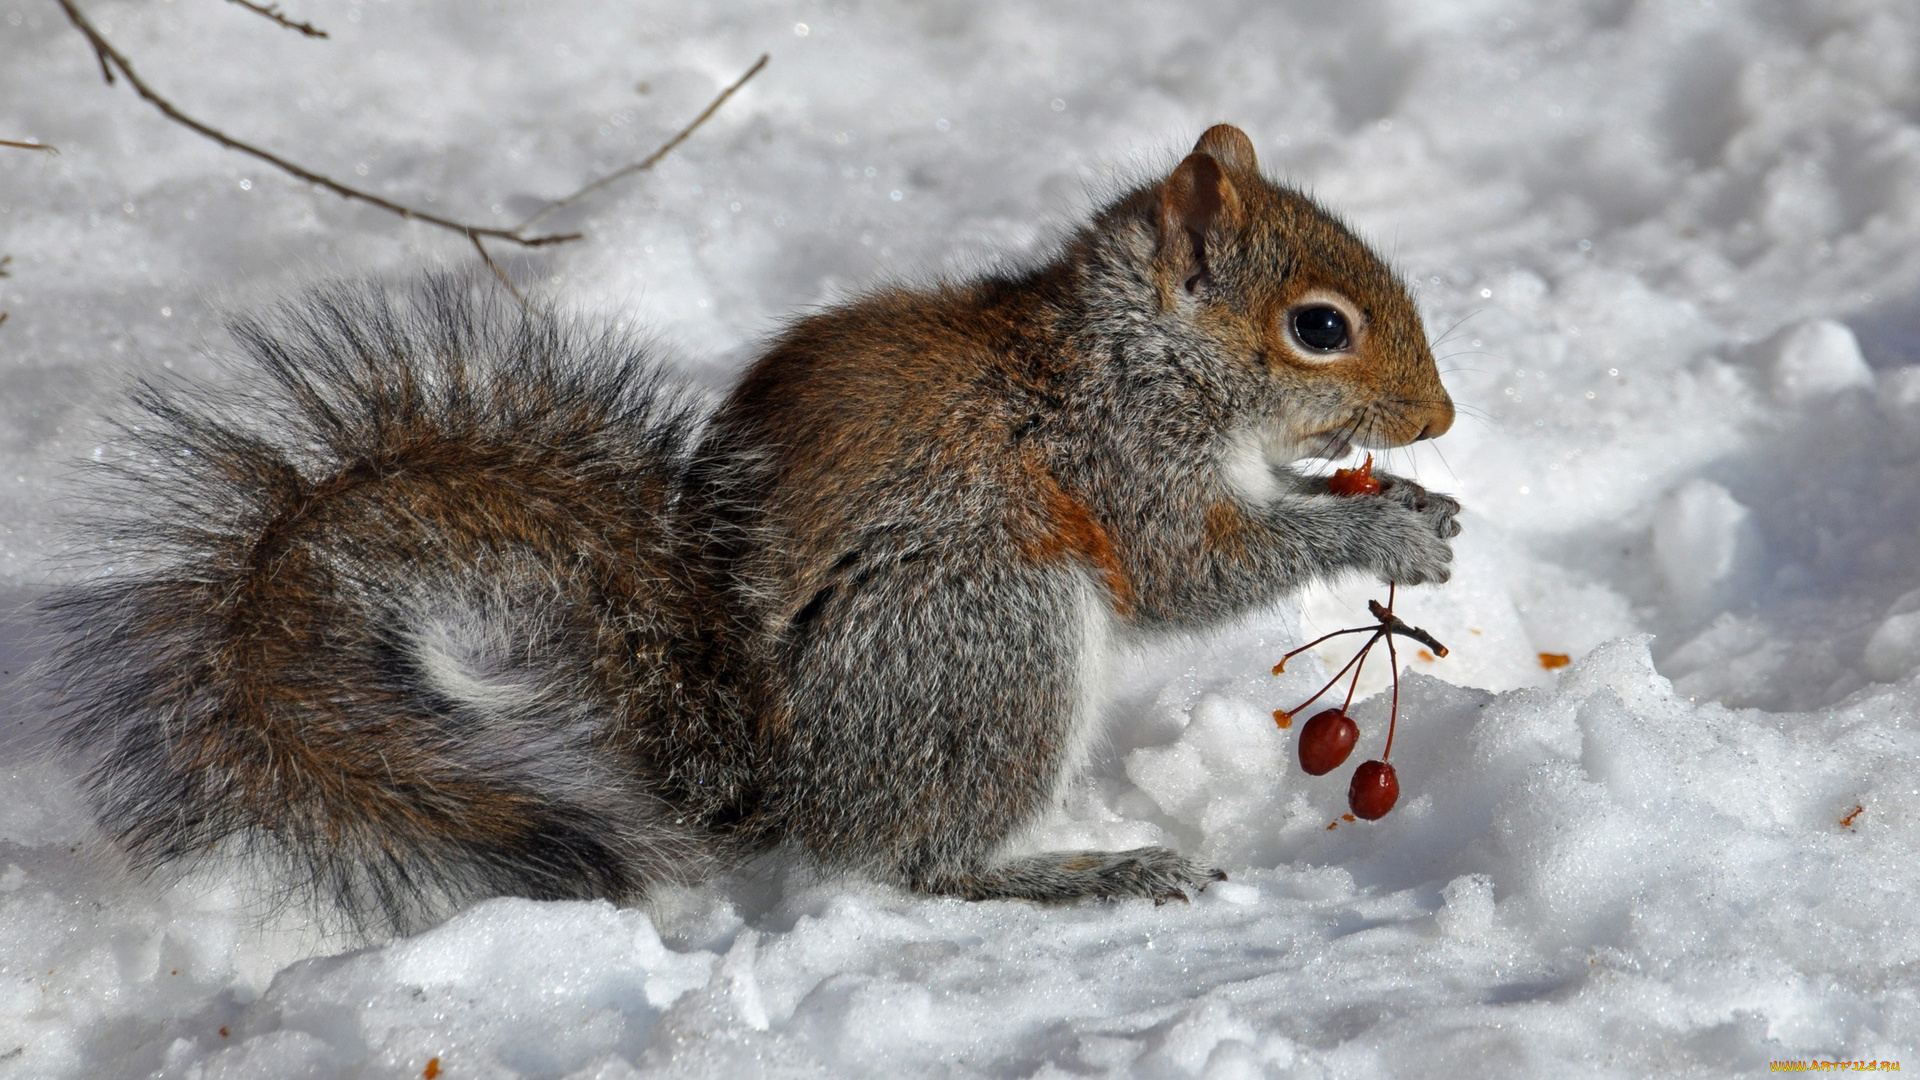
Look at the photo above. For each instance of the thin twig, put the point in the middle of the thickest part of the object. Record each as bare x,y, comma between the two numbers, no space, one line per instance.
487,258
28,146
105,71
110,60
652,159
272,11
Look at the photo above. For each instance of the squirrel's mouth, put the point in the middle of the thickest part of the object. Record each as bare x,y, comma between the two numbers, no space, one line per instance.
1372,428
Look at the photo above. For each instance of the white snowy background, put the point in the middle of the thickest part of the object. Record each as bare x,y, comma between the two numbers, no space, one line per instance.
1670,248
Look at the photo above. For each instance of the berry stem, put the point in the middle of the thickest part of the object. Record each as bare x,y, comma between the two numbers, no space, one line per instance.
1359,666
1337,676
1393,712
1282,665
1389,625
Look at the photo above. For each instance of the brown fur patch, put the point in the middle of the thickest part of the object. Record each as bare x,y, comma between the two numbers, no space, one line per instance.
1226,528
1071,530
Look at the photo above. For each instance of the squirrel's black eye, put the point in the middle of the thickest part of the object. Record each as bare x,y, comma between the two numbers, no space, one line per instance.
1321,327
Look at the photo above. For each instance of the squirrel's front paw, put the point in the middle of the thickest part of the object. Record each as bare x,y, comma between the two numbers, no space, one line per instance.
1438,508
1421,553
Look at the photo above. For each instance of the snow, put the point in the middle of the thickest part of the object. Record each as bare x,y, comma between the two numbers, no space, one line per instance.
1817,358
1667,249
1702,536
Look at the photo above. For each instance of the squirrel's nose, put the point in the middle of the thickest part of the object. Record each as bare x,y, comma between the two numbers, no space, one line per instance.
1441,414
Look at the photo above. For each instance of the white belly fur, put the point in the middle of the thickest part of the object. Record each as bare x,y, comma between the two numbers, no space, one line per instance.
1094,623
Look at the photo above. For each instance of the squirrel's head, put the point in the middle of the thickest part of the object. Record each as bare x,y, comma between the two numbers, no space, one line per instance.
1279,284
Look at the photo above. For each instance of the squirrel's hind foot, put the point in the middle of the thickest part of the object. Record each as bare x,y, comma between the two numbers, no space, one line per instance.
1152,873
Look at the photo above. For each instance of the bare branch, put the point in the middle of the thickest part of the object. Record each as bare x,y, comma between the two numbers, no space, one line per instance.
652,159
272,11
487,257
111,60
28,146
105,71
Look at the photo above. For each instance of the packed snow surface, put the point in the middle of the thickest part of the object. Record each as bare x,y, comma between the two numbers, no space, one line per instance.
1670,254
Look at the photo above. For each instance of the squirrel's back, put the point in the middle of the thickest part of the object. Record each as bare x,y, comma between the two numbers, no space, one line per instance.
386,616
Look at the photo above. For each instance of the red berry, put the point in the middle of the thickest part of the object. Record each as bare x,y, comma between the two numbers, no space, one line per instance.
1358,481
1374,790
1326,740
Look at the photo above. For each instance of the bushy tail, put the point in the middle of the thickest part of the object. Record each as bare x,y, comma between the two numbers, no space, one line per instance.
386,614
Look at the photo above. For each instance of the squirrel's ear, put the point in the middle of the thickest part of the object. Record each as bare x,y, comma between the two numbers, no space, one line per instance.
1230,147
1198,205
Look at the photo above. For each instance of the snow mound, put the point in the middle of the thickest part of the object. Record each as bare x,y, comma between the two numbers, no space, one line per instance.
1568,864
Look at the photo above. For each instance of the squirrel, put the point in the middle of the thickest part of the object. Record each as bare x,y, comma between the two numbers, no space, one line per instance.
456,599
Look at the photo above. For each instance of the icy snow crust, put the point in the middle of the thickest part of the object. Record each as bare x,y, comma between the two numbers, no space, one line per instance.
1672,255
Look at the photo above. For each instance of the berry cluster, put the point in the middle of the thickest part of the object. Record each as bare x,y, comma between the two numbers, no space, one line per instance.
1329,736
